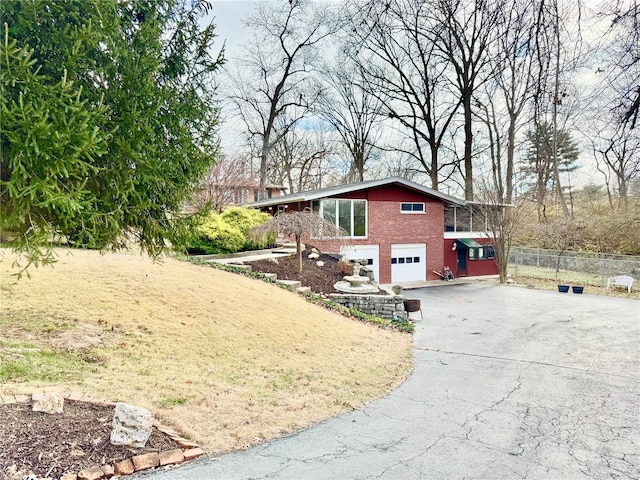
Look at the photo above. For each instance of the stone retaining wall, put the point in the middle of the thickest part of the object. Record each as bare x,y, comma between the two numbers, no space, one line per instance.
385,306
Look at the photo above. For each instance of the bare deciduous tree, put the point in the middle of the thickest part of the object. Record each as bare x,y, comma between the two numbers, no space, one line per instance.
504,222
272,80
299,225
618,154
624,48
392,43
224,184
299,159
352,111
501,108
615,100
558,48
464,36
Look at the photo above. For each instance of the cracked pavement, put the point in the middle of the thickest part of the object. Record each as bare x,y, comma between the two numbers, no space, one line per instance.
509,383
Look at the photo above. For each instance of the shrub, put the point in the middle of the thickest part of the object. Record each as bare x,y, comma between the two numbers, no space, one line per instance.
346,267
244,219
216,236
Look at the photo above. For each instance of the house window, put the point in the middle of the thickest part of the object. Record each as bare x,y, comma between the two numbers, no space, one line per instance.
350,215
485,252
412,207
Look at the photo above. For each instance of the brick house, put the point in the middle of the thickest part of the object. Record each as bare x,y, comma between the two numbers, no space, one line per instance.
406,231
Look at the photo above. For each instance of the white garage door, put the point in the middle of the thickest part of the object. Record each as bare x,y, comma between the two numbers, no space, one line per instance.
408,262
360,252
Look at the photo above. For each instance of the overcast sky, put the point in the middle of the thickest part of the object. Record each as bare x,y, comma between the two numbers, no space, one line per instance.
228,18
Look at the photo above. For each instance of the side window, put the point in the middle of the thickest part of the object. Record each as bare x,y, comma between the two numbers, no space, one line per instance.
412,207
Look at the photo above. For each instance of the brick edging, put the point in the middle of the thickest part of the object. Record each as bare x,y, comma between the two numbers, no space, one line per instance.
188,450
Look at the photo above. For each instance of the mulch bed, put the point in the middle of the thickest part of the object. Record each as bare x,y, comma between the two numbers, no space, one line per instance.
320,279
50,445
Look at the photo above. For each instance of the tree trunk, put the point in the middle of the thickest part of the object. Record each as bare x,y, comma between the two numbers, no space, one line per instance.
299,252
264,158
468,144
433,173
510,154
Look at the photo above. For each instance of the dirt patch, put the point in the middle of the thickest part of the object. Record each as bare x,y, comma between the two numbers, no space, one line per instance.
84,336
50,445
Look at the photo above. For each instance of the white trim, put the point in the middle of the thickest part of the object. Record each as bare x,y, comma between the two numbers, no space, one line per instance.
342,189
457,235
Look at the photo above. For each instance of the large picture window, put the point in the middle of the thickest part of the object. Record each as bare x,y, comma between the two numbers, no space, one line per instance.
350,215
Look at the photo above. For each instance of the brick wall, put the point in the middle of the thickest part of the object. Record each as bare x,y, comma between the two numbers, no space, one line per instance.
387,226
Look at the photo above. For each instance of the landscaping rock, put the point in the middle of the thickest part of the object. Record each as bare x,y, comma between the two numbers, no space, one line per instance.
124,467
92,473
108,471
131,425
146,461
171,457
48,403
193,453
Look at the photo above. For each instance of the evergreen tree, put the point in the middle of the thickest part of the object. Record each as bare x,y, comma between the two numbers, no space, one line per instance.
108,120
538,164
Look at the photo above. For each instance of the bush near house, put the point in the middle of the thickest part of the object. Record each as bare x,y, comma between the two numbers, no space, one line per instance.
228,232
245,219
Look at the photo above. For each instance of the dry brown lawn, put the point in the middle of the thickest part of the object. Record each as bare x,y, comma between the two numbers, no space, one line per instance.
228,360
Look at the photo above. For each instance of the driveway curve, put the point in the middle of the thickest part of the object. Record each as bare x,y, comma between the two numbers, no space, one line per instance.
509,383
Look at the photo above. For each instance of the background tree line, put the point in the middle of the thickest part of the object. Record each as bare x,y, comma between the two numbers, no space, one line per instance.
493,101
111,110
449,86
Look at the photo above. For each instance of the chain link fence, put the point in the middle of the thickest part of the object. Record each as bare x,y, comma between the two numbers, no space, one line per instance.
596,264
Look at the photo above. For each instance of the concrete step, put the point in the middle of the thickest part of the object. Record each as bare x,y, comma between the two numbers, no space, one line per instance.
291,283
303,289
272,276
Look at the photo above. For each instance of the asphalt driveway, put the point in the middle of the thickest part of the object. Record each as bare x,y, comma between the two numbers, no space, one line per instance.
509,383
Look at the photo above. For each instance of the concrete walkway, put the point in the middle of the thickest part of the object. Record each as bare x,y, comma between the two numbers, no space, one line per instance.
509,383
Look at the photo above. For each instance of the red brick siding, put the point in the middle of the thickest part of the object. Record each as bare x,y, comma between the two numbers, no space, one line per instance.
387,226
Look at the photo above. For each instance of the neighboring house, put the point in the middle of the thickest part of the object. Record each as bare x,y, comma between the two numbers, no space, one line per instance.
231,192
406,231
251,192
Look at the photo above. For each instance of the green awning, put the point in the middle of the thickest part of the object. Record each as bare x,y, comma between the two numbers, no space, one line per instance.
468,243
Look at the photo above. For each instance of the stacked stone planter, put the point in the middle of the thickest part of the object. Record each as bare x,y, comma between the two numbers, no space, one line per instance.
385,306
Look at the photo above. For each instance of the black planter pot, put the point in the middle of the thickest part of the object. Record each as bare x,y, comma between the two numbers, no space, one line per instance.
577,289
563,288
